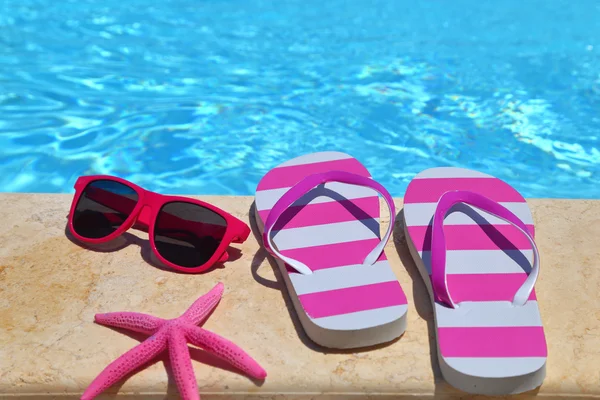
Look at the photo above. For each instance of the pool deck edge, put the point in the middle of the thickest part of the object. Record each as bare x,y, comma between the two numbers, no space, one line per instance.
50,289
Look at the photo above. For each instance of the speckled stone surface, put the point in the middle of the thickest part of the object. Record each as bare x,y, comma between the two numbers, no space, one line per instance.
50,289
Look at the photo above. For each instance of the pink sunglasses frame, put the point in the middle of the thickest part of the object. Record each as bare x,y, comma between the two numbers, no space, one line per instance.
145,214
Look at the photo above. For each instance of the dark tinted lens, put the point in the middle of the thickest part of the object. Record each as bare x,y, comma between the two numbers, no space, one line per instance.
102,208
187,234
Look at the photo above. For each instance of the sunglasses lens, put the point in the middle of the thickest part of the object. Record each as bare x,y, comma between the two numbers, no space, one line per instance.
102,208
187,234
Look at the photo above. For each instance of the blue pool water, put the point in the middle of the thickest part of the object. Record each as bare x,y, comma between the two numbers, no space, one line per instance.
192,96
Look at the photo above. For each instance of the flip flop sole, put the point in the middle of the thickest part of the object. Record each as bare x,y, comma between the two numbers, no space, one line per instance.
486,345
331,229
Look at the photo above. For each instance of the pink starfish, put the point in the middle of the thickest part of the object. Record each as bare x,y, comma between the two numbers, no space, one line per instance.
172,335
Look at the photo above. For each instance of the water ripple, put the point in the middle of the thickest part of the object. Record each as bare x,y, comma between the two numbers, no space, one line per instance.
188,97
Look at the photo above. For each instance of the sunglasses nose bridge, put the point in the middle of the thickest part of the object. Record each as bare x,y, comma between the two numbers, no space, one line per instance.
144,216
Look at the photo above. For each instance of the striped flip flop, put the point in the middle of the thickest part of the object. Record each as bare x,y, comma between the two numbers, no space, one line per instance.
319,217
472,238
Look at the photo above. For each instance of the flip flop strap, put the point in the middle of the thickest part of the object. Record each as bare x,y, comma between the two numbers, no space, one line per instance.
303,187
438,243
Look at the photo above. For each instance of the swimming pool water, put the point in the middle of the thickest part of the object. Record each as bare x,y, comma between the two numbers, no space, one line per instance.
204,97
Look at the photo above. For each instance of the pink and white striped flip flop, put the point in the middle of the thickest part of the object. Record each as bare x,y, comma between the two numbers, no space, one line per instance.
319,217
472,238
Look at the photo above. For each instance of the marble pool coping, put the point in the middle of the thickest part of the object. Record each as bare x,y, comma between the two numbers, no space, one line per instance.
50,289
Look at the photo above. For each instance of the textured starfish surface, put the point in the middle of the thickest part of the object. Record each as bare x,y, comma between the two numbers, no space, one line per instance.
172,335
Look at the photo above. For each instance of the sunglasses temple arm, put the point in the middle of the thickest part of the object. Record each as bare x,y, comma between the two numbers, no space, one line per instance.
241,231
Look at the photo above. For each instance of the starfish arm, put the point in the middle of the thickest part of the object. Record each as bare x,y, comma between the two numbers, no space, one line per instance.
225,350
133,321
204,305
181,364
127,363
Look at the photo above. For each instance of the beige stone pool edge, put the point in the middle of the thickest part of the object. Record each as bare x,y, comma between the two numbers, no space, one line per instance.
50,289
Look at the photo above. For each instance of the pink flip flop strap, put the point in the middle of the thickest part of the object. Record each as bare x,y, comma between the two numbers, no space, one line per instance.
307,184
438,243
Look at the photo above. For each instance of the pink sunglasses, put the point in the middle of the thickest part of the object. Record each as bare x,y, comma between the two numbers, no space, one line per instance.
185,234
